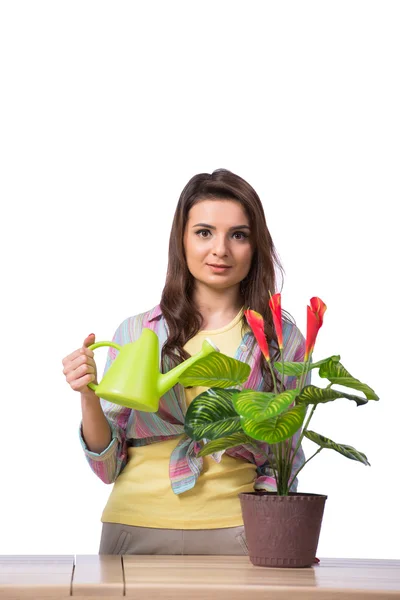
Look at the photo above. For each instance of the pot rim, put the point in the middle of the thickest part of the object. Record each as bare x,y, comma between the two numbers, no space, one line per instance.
266,494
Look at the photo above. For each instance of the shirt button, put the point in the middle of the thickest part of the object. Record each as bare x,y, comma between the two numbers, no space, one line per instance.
243,347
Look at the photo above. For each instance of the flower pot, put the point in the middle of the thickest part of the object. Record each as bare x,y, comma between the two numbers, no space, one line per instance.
282,531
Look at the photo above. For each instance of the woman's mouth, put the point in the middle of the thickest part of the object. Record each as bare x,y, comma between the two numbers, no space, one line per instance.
219,268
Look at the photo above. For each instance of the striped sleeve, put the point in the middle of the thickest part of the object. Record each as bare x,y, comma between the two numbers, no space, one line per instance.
108,464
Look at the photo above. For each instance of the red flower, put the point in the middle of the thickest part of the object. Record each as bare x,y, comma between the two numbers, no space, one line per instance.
276,309
256,323
315,315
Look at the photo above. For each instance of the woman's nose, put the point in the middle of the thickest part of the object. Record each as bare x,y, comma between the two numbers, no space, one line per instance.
220,246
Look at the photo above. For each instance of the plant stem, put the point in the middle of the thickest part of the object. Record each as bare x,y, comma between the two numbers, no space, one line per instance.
282,452
279,453
307,423
287,459
302,435
299,379
283,369
287,449
305,372
273,376
303,465
282,470
275,471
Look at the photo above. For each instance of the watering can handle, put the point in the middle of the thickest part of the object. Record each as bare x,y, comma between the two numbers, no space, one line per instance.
91,385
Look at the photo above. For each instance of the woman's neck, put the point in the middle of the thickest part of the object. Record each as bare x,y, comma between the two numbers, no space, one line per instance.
217,307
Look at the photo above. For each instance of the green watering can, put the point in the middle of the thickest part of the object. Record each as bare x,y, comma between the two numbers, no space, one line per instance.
134,379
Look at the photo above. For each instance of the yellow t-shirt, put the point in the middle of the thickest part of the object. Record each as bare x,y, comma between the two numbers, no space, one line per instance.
142,494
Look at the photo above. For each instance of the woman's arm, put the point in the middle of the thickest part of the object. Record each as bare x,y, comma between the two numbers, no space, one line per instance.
102,431
95,428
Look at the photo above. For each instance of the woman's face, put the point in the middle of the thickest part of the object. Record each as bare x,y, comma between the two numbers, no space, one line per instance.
218,243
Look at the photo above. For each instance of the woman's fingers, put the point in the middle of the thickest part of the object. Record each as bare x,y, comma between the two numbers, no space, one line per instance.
80,367
90,339
80,385
76,363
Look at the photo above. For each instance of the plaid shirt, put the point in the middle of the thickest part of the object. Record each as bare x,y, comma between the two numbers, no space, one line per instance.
136,428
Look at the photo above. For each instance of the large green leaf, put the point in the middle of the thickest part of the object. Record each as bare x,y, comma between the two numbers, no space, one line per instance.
347,451
259,406
236,439
211,415
278,428
291,368
315,395
336,373
296,368
215,370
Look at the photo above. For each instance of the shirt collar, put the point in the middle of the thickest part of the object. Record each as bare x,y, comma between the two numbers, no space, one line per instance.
154,313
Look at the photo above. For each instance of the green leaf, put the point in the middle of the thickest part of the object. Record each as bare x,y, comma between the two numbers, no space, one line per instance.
211,415
291,368
315,395
347,451
215,370
296,368
336,373
236,439
259,406
334,358
277,429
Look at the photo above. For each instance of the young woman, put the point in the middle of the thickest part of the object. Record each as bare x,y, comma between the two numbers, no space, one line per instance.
165,499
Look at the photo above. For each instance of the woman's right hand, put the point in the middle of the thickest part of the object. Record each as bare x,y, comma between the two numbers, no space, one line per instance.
80,368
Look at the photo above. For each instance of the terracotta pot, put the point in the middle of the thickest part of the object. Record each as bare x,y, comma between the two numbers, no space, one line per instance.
282,531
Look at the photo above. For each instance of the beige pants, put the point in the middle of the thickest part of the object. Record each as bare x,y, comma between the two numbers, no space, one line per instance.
125,539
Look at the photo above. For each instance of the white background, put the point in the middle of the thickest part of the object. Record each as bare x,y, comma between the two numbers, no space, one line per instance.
107,110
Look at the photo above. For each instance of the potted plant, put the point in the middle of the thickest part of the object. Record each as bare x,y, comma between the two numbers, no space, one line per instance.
282,528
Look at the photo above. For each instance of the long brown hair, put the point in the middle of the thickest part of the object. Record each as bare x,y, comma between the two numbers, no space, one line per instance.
182,317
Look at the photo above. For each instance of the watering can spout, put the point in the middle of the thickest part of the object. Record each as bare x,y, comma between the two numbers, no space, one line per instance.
167,380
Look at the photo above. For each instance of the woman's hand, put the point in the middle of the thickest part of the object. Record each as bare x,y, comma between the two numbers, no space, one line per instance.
80,368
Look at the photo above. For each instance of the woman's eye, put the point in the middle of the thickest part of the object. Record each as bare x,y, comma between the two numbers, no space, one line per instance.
203,233
240,234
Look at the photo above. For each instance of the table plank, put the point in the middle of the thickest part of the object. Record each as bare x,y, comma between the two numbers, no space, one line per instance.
234,578
36,576
98,575
194,577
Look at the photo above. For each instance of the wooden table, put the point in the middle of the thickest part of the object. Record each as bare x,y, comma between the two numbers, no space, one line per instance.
192,578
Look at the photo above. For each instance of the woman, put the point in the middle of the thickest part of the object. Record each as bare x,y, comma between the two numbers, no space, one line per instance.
165,499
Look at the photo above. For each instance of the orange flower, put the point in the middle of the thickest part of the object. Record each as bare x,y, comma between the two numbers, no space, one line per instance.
315,315
276,309
256,324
